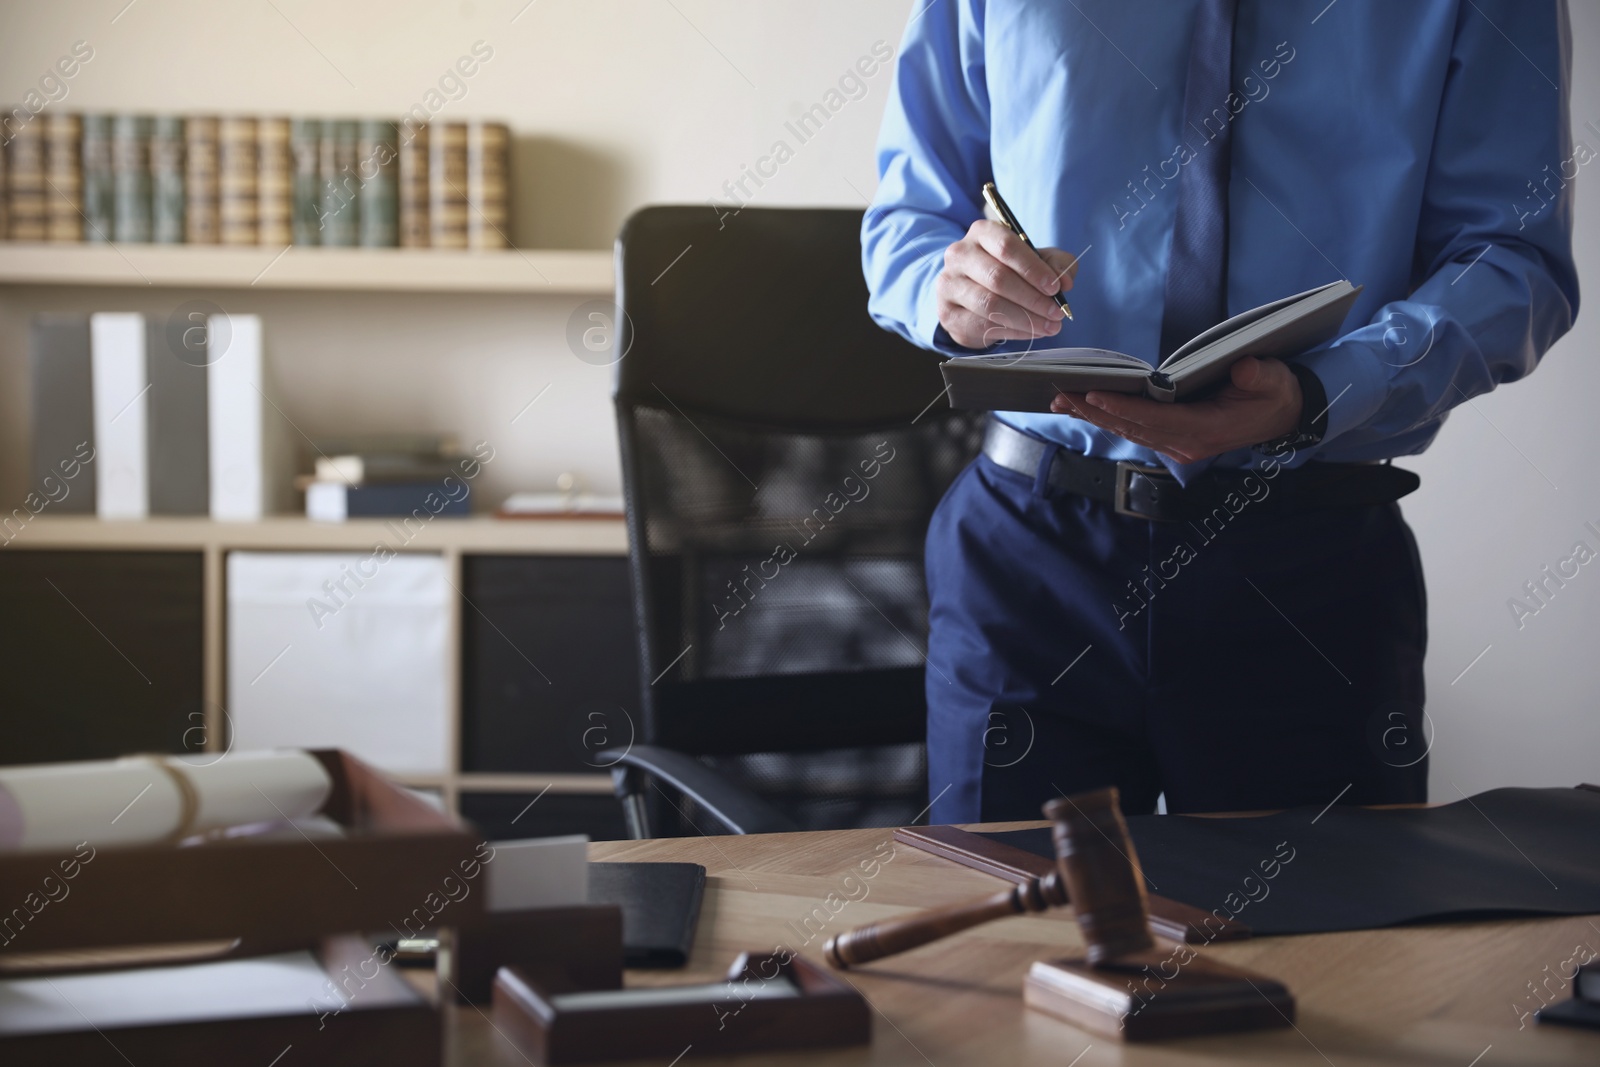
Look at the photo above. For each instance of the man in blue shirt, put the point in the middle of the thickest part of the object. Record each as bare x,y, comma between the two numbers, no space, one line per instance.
1234,614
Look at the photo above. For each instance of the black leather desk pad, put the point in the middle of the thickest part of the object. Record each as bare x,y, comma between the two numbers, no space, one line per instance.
1506,852
660,908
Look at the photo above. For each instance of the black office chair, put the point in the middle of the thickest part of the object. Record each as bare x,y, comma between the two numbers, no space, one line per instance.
781,456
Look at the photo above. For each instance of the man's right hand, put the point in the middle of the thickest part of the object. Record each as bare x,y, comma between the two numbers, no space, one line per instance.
994,288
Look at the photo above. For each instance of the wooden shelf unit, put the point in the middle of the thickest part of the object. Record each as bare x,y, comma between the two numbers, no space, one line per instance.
450,538
533,271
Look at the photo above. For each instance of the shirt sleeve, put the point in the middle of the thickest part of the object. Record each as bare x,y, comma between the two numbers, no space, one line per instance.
1494,248
933,158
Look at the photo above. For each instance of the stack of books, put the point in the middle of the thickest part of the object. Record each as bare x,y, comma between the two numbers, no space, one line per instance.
388,475
198,179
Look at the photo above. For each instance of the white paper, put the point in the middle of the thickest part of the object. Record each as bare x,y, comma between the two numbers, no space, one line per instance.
244,787
120,387
134,801
292,983
103,802
560,504
544,872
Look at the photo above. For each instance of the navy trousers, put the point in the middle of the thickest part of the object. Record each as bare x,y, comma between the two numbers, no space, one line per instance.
1250,660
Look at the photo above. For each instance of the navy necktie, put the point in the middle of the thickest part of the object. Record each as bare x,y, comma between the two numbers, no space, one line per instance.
1196,292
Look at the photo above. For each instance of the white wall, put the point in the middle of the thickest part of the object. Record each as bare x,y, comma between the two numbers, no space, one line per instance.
1507,489
618,103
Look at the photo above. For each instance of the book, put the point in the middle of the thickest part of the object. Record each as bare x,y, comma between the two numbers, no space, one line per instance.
379,192
63,413
487,146
447,185
238,169
5,211
556,505
130,175
378,467
305,138
63,171
99,180
121,382
25,204
168,203
274,182
1031,380
245,431
338,501
202,181
177,446
413,167
338,201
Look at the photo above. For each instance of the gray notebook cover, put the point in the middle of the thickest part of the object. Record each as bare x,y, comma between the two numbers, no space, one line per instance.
180,477
63,413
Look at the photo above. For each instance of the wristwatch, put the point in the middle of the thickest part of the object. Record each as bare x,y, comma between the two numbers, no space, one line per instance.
1313,424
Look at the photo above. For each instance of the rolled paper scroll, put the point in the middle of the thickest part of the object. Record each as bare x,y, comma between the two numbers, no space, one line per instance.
140,800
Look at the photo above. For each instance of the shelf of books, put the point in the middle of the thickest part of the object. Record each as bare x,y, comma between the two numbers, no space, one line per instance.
553,272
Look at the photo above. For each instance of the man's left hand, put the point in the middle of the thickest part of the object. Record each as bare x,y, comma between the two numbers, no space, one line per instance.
1261,402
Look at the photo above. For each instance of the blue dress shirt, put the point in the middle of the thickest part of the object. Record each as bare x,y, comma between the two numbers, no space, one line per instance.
1421,149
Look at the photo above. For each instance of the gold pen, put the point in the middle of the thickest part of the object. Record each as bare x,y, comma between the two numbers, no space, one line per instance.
992,195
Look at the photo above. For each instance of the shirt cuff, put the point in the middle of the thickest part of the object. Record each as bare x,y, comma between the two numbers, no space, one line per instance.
943,342
1353,378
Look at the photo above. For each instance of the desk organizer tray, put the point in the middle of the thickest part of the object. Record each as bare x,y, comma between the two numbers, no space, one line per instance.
766,1004
389,864
223,1012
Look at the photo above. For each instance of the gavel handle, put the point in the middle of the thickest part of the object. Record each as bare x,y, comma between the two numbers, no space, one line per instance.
892,936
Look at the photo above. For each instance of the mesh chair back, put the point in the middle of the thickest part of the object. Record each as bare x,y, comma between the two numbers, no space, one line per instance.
781,457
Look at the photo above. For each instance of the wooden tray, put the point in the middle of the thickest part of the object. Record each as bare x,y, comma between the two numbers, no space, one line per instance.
386,1023
392,865
1168,918
559,949
826,1013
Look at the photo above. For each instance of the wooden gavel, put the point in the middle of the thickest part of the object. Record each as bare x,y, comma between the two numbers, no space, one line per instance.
1096,870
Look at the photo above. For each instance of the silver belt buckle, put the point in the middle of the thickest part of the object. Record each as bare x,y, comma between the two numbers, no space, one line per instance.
1122,484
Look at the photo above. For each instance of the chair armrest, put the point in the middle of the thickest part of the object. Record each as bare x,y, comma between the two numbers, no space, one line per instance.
741,811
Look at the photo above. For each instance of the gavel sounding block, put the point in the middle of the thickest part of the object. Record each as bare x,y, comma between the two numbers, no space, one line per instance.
1158,994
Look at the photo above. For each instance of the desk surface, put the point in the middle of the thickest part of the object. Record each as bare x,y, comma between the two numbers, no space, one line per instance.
1444,994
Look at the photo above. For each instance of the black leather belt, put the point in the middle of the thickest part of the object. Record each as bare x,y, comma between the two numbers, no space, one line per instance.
1142,492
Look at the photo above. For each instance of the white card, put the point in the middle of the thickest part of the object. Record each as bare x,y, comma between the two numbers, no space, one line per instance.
545,872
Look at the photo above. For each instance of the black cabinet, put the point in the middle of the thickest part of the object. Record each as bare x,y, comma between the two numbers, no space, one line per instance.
549,663
101,653
513,816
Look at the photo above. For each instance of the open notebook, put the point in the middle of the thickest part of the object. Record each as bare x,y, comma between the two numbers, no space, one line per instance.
1031,380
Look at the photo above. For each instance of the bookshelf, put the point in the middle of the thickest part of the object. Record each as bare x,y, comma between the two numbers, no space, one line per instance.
295,533
530,271
450,538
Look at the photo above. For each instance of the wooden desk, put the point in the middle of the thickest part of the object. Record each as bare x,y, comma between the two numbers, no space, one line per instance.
1445,994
